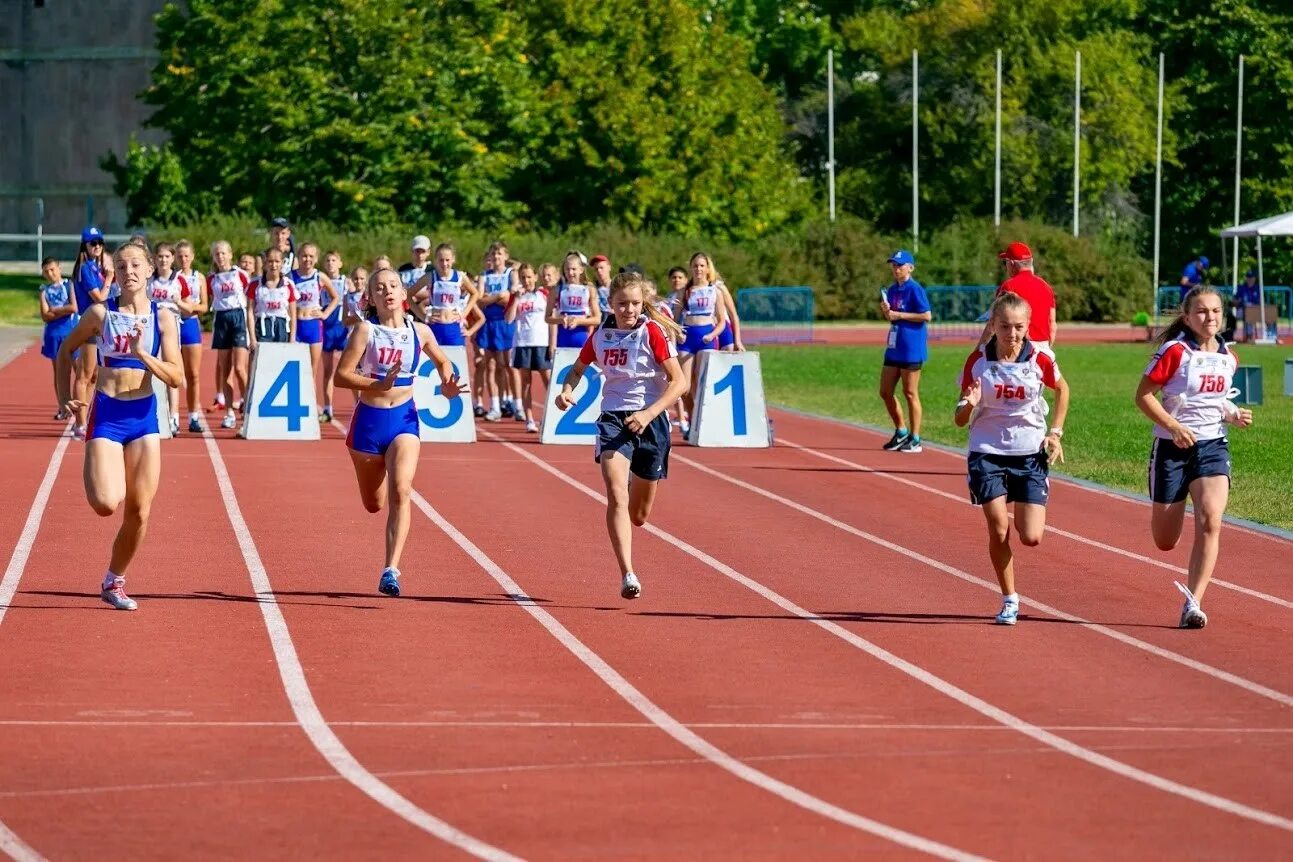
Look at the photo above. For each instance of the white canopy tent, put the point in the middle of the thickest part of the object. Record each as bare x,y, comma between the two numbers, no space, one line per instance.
1280,225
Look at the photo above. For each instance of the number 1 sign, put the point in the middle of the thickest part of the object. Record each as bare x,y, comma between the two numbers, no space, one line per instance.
730,410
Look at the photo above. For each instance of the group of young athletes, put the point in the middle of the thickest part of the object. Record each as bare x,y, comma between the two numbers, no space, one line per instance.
126,319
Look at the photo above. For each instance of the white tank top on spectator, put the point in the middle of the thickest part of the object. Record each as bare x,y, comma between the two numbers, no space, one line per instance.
632,362
1011,416
165,292
307,289
446,291
573,300
389,346
228,289
272,301
531,325
1195,386
189,288
701,300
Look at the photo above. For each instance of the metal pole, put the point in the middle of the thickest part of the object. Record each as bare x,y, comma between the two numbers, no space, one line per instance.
915,145
1261,291
997,166
830,127
40,229
1158,189
1077,137
1239,148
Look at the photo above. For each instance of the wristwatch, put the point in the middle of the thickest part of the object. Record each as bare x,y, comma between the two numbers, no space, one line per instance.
1058,432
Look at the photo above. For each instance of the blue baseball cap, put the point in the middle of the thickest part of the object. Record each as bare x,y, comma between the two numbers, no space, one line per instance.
92,234
1203,260
902,257
1252,273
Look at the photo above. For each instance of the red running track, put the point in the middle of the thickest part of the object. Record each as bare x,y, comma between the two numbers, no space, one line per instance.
811,671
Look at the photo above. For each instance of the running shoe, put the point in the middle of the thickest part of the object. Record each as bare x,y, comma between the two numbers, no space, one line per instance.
175,425
1192,616
478,412
895,441
228,421
218,402
195,427
630,588
493,416
685,427
507,411
326,415
62,416
532,427
1009,614
520,416
115,595
389,585
78,433
910,444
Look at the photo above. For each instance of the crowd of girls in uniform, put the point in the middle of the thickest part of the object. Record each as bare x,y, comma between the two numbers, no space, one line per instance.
125,320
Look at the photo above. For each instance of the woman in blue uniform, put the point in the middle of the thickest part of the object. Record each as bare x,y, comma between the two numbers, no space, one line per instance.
379,362
136,342
58,310
91,278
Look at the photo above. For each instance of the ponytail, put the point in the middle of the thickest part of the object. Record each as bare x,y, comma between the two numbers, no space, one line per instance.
625,280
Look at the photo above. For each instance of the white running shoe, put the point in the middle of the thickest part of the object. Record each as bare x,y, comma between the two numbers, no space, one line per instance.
1009,614
228,421
630,587
78,433
532,427
493,416
116,596
175,426
1192,616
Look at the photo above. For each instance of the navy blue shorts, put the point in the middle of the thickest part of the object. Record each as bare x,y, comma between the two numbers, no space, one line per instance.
334,336
121,420
571,337
272,330
53,339
695,342
1019,478
1172,469
448,334
229,330
373,429
496,335
309,331
648,452
190,331
531,359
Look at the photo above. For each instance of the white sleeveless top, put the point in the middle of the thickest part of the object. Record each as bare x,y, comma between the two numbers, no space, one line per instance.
272,301
165,292
574,300
445,291
531,319
701,300
1010,418
387,347
228,289
115,334
307,289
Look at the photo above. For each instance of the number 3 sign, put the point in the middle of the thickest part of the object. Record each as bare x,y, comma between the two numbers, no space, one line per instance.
730,410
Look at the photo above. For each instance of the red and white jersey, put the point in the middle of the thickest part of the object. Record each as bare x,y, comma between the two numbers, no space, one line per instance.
531,323
190,287
165,291
701,300
273,301
389,347
228,289
574,300
1011,416
1195,385
632,362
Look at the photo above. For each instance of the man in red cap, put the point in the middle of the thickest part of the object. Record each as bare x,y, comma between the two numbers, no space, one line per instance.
1021,279
601,266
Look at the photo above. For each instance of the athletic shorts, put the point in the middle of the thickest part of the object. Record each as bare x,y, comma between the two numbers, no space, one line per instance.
121,420
1172,469
229,330
373,429
531,359
695,342
52,339
334,336
648,452
272,330
572,337
903,366
190,331
1019,478
448,334
496,335
727,338
309,331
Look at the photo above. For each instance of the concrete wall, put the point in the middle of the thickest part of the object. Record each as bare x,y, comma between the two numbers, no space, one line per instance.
70,75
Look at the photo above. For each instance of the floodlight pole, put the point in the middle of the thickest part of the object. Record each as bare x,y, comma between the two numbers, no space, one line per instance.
1158,190
915,145
1239,148
996,210
830,127
1077,136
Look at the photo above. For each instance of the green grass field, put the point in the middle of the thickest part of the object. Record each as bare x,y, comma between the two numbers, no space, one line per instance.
1106,438
19,303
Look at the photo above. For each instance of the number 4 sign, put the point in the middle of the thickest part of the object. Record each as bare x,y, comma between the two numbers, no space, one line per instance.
730,410
281,400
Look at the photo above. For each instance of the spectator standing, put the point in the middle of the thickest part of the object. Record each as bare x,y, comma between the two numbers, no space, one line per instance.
906,307
280,237
411,272
1193,275
1024,281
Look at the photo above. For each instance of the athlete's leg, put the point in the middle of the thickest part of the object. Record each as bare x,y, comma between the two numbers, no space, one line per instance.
401,465
143,467
911,392
888,382
1210,495
370,470
615,472
1030,522
104,473
1165,522
1003,561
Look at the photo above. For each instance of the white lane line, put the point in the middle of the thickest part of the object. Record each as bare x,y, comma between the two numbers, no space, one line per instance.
304,707
1050,528
670,725
10,843
1215,672
937,683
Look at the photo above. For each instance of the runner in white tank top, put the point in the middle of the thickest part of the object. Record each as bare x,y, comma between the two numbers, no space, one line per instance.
194,302
1010,449
166,290
572,307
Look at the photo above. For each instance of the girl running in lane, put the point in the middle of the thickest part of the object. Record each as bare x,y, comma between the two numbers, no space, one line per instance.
312,289
379,362
1010,448
273,303
1192,369
90,283
136,342
231,334
573,307
531,354
193,303
58,310
639,361
164,289
498,284
704,318
334,326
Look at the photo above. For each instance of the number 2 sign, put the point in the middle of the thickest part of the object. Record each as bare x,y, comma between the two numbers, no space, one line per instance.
578,424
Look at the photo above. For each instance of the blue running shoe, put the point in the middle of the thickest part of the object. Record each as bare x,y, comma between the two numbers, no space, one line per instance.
389,585
1009,614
